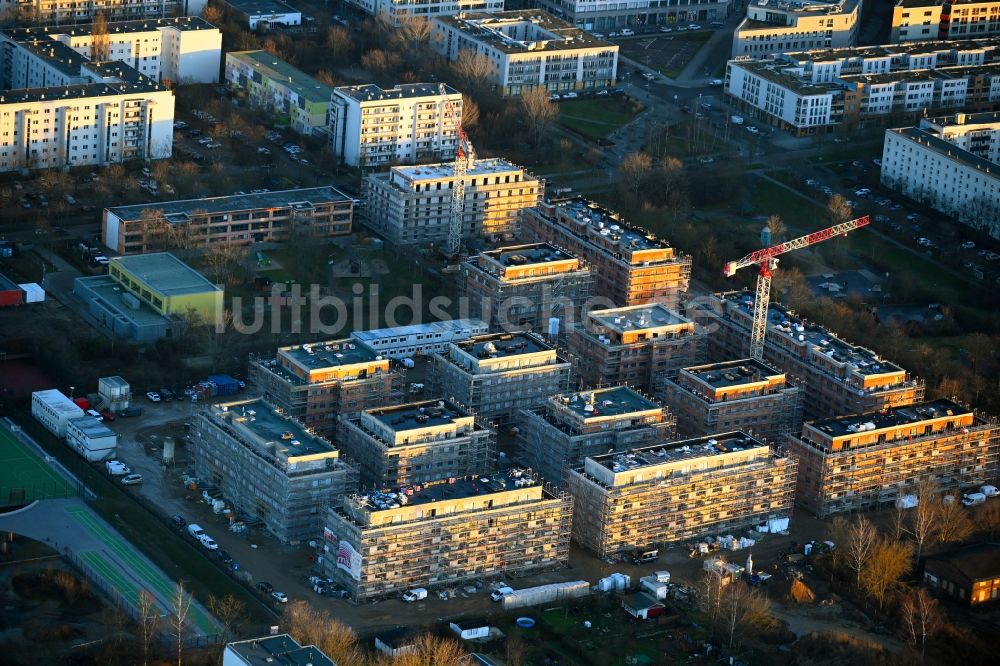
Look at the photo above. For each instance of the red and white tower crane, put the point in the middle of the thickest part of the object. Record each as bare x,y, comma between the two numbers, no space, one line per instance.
768,262
465,159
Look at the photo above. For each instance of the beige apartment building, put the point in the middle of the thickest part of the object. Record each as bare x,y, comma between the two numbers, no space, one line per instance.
838,377
442,534
523,287
795,25
240,219
639,346
61,12
850,463
317,382
497,374
667,493
924,20
569,427
417,442
411,205
744,395
630,265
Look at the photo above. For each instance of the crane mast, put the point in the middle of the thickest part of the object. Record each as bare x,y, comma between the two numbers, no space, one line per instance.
465,157
767,260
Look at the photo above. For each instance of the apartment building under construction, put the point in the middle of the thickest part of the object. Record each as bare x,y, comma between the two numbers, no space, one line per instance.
418,442
639,345
269,467
316,382
497,374
569,427
442,534
523,287
838,377
666,493
862,461
630,265
745,395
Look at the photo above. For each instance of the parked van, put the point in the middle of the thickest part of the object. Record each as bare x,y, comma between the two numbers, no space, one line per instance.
736,120
645,556
628,32
194,529
973,499
989,491
416,594
500,593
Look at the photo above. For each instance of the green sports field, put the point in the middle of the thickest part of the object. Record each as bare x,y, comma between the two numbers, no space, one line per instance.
24,477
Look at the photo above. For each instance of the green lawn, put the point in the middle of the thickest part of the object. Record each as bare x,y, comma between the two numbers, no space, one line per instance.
598,117
24,476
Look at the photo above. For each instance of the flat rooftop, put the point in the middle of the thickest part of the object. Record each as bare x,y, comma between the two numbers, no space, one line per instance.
782,321
109,295
374,93
6,284
177,211
468,486
674,451
448,326
810,7
91,427
114,28
929,139
613,401
732,373
775,72
280,650
523,255
268,424
261,7
165,273
637,317
446,170
502,345
59,401
331,354
425,414
541,31
961,119
290,77
918,75
892,417
609,224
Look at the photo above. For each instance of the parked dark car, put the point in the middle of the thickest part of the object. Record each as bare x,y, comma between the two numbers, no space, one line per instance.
178,520
265,587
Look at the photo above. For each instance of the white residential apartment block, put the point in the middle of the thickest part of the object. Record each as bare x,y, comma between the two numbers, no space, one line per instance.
372,126
951,164
530,48
270,83
412,204
61,12
919,20
185,49
606,15
109,113
793,25
806,91
425,8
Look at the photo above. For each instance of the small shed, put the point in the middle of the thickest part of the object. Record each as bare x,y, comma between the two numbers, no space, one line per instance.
468,629
642,606
396,642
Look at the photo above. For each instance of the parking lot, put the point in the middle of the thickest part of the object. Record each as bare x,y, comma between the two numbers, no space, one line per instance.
666,53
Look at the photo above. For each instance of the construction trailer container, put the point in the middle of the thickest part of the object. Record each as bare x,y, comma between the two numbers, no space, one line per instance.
33,292
225,385
54,410
91,439
115,392
10,294
532,596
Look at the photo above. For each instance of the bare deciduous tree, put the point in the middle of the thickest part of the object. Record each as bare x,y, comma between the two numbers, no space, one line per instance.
890,560
777,228
470,113
920,618
923,519
837,209
633,170
539,112
148,621
212,14
182,605
381,63
987,519
861,542
733,609
310,626
472,72
100,42
837,531
229,611
223,260
339,43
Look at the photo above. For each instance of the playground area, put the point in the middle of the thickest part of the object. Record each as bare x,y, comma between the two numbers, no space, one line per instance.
25,477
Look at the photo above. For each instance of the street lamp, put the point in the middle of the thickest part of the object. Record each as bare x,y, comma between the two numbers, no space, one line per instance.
71,389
